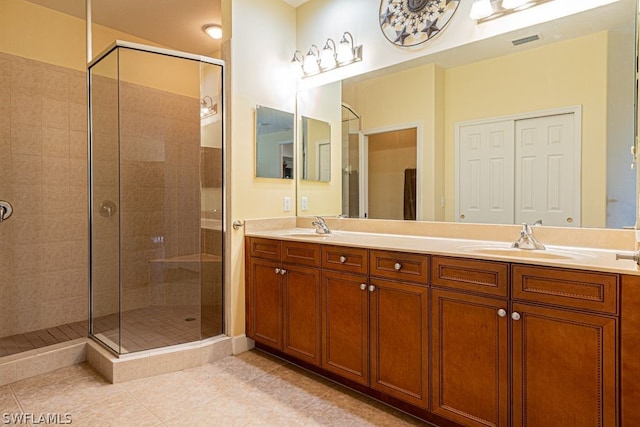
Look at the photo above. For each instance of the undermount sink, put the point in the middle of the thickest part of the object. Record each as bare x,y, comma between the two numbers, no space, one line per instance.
524,253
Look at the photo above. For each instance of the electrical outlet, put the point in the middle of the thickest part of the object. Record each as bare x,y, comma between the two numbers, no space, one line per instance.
305,203
287,204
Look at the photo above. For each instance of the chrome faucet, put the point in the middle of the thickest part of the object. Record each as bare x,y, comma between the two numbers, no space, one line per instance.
527,240
321,226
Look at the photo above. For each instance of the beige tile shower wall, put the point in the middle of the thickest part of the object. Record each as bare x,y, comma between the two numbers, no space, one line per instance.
43,164
160,190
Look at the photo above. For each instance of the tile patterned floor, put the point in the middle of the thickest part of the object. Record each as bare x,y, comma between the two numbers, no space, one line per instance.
252,389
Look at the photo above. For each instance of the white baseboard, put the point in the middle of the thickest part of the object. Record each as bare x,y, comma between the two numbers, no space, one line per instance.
240,344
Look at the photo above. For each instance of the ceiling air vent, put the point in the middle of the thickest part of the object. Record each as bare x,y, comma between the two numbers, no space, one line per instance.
524,40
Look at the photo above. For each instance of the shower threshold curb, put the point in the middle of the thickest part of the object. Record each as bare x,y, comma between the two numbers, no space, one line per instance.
143,364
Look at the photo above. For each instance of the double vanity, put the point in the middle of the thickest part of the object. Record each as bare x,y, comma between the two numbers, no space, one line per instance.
454,331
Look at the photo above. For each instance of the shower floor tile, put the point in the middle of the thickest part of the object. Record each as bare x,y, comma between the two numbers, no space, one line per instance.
142,329
44,337
158,326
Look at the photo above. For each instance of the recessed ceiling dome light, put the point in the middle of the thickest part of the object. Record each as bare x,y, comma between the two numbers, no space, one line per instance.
213,30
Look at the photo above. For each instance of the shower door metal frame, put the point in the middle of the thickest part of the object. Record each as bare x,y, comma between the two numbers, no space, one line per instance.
224,267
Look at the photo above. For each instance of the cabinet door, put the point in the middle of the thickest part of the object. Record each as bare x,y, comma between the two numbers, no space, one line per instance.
564,368
266,302
345,325
302,313
400,340
469,371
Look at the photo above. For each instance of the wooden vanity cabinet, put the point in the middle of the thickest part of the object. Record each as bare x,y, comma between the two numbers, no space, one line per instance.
564,367
559,327
345,325
399,325
564,333
470,341
375,330
283,297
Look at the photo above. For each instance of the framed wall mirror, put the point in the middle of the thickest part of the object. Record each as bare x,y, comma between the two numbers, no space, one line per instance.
316,150
581,65
274,143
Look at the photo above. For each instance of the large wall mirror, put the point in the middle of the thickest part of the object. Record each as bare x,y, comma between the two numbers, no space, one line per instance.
316,150
478,113
274,143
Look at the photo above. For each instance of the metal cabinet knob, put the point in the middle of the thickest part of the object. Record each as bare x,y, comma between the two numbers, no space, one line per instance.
363,286
277,271
372,288
502,312
397,266
343,259
515,315
283,271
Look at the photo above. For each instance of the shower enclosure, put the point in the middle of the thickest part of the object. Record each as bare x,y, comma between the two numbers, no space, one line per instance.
156,198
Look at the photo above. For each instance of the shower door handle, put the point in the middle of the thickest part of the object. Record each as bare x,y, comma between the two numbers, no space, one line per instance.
5,210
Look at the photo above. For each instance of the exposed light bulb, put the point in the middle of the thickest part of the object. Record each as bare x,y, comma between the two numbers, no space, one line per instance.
310,65
513,4
481,9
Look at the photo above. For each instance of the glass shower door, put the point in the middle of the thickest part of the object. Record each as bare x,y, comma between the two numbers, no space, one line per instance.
162,203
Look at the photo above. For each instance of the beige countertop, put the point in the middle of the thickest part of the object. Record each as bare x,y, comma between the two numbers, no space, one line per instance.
602,260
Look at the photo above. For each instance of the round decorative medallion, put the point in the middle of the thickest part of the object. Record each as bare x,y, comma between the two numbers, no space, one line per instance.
412,22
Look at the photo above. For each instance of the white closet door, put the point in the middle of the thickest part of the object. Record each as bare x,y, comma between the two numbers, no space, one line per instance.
547,179
485,180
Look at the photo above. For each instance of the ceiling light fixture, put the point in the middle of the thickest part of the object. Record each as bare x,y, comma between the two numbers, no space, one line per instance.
213,30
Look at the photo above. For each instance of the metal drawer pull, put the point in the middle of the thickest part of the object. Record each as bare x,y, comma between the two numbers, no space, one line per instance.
363,286
515,315
283,271
397,266
343,259
277,271
372,288
502,312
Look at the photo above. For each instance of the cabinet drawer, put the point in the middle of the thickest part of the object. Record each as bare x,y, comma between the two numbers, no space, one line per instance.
351,260
567,288
264,248
486,277
301,253
399,266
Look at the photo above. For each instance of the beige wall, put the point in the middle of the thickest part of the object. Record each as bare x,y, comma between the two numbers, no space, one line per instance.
558,75
410,98
260,74
324,198
35,32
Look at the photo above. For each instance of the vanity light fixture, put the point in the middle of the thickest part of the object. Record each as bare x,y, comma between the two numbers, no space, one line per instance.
331,57
311,64
328,55
486,10
213,30
481,9
514,4
296,62
207,108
